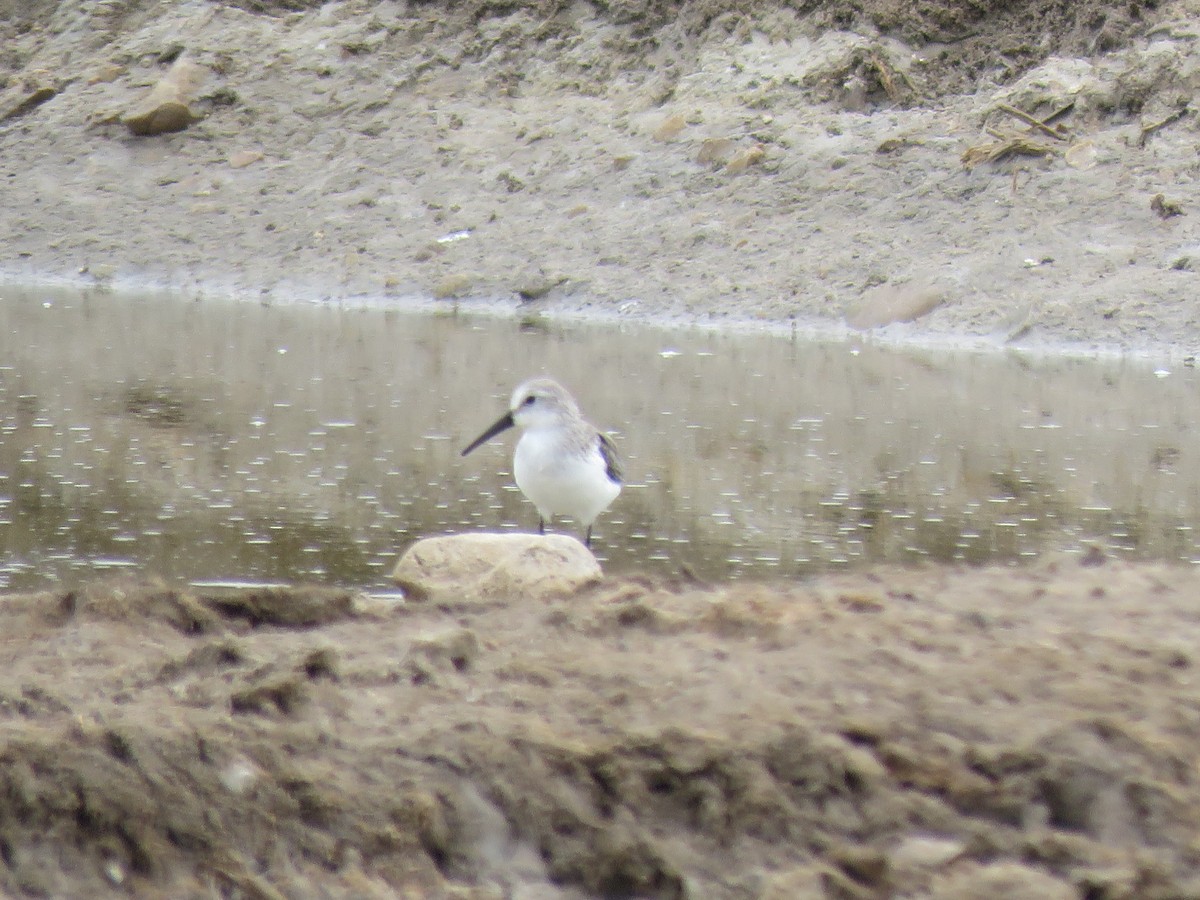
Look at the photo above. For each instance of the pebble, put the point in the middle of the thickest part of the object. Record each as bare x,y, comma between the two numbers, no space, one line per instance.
670,127
243,158
166,108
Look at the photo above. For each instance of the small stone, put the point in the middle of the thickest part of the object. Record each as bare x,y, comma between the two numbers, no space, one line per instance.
715,151
474,568
925,852
114,871
166,108
744,159
670,128
243,158
30,95
106,73
240,776
538,286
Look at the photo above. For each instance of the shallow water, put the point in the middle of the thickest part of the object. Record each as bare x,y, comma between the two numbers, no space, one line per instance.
220,441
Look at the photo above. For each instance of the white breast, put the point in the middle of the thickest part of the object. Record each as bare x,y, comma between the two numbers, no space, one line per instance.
562,478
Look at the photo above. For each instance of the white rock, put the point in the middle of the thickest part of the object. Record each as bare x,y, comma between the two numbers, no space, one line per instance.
482,567
926,852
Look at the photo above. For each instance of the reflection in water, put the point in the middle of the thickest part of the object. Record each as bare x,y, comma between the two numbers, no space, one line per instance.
215,440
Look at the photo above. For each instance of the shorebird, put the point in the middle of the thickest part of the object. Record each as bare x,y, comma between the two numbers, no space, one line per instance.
562,464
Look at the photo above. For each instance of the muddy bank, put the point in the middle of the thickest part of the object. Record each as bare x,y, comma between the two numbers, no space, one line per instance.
990,170
922,733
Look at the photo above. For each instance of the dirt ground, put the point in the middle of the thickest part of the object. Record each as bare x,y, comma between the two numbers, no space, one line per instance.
902,733
758,161
996,172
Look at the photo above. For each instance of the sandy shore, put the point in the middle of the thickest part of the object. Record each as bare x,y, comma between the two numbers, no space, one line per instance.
835,170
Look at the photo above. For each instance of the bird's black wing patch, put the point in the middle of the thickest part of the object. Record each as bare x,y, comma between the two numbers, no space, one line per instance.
612,462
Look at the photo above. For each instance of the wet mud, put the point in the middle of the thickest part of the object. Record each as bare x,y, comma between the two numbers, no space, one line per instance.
902,733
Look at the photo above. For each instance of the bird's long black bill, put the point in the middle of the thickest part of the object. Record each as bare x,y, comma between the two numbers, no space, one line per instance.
504,423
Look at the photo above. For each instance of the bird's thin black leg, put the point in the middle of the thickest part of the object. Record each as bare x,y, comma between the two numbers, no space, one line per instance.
541,526
587,541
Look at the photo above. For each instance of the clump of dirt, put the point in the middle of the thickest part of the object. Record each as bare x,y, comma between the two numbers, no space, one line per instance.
896,733
1004,40
276,7
997,39
296,607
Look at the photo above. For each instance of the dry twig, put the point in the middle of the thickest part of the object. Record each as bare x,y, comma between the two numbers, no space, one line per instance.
1032,121
896,84
1148,130
1059,113
1003,148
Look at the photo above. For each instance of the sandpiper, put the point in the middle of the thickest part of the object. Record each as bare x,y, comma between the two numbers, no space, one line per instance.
562,464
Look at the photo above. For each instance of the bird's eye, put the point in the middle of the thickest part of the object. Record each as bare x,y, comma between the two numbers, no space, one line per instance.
529,400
